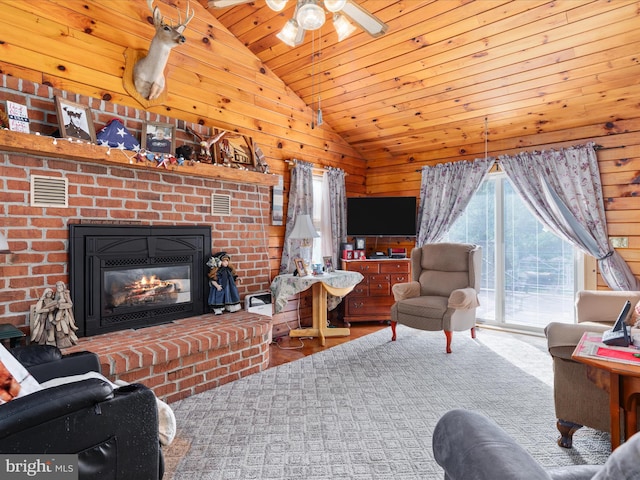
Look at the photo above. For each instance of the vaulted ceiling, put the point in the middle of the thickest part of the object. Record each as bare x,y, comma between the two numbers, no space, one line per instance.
447,70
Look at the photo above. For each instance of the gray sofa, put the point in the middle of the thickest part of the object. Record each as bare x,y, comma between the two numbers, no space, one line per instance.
470,446
578,401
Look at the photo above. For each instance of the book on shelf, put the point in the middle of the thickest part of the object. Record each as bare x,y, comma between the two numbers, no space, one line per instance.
18,117
591,346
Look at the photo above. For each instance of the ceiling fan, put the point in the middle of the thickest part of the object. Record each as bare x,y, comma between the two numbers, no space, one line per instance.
309,15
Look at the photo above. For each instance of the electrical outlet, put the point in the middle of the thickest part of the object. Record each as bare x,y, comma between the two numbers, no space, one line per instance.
619,242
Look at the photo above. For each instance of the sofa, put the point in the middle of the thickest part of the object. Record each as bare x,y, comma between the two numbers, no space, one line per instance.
114,431
470,446
578,401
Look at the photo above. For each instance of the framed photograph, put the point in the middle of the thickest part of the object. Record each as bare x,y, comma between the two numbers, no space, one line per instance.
74,120
235,149
328,264
158,137
300,267
360,243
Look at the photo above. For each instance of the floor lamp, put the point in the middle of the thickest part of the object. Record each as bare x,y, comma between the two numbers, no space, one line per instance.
304,231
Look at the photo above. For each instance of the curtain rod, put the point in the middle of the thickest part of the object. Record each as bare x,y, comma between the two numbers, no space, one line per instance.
314,167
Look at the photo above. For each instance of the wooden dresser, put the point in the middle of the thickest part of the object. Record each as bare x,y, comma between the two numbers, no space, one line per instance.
371,299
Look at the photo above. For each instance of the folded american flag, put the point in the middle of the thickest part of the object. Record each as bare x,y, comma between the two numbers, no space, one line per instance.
115,135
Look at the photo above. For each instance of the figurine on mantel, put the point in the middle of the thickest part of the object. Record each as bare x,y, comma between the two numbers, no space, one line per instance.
52,320
223,294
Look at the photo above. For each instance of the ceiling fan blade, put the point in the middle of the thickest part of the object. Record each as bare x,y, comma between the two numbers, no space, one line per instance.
226,3
365,20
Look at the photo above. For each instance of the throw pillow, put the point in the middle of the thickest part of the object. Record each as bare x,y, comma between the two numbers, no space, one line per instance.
15,380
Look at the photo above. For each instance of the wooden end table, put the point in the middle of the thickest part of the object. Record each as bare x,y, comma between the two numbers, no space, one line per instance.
616,370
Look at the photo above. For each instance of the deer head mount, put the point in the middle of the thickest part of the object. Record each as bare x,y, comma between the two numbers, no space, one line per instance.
148,72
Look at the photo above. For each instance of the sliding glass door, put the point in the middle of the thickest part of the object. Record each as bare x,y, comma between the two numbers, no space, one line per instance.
528,274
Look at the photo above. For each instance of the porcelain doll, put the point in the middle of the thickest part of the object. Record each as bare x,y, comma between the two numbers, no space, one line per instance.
223,294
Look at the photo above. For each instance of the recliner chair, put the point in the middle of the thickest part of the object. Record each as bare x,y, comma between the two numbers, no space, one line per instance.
443,293
470,446
578,401
113,431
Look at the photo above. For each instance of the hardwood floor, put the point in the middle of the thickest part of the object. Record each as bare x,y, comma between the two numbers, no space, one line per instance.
286,349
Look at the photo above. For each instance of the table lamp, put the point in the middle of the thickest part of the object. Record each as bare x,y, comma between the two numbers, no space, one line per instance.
303,230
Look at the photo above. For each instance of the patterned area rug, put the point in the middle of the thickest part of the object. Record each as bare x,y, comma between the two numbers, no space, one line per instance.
366,410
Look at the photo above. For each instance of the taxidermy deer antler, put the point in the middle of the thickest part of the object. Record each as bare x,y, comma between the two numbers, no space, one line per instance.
148,72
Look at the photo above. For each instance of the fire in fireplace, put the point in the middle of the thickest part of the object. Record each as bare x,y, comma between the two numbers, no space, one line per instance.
132,276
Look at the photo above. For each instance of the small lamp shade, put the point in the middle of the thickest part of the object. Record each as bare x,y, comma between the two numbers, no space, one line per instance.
303,228
4,244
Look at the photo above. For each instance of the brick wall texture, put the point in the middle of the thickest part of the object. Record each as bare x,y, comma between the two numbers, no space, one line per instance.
38,236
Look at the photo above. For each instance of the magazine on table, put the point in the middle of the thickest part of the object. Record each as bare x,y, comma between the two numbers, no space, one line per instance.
591,346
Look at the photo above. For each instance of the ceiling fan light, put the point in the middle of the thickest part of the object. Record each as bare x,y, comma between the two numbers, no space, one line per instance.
343,27
276,5
289,33
334,5
310,16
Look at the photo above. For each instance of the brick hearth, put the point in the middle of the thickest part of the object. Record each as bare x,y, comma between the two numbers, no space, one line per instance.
187,356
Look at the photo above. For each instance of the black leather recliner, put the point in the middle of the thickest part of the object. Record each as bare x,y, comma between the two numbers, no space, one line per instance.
113,431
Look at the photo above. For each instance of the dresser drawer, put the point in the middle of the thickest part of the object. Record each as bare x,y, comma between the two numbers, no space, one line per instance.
377,289
363,267
390,266
361,289
398,278
374,306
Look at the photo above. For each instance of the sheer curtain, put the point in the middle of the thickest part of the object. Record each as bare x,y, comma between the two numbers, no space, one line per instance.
563,190
300,203
445,191
334,213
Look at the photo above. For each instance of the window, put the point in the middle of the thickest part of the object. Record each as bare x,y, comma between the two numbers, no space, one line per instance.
529,275
316,255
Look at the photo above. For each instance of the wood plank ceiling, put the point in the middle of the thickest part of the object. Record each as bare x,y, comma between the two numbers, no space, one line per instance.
446,69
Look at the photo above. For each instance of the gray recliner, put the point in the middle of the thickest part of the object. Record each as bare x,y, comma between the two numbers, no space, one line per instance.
443,293
470,446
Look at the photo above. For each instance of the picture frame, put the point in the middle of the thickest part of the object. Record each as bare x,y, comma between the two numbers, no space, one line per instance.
158,137
75,120
235,149
328,264
360,243
301,268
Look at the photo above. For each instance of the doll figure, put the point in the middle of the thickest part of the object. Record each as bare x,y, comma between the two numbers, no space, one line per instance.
222,280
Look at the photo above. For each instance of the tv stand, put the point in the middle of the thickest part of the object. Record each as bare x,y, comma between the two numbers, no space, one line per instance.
371,299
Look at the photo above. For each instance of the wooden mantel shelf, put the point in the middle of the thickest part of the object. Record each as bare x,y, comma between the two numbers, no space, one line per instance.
43,146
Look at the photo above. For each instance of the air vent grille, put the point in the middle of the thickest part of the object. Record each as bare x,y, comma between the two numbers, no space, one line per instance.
49,191
220,205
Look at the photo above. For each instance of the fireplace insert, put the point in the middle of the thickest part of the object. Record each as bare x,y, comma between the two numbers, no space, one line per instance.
125,276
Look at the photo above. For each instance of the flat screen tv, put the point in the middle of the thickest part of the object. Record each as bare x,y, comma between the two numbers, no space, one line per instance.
381,216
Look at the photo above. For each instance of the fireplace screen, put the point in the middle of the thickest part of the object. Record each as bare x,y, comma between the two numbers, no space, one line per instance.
132,276
150,286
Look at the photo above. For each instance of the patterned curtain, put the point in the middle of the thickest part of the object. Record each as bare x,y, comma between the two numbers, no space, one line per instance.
334,213
300,203
445,191
563,190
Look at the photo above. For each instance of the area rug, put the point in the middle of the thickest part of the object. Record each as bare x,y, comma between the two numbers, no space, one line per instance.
366,410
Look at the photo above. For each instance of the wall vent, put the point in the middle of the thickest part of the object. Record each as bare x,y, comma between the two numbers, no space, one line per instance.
49,191
220,205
